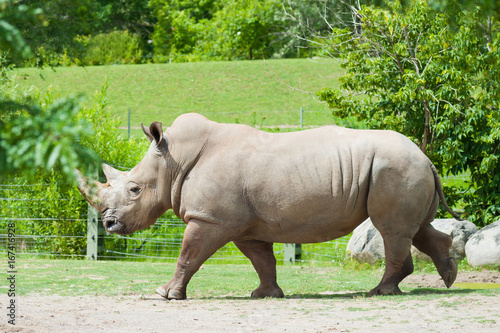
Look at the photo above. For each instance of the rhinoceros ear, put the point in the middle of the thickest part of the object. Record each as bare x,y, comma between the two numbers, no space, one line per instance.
147,132
156,132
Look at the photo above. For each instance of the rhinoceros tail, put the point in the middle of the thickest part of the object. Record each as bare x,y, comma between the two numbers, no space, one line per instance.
439,189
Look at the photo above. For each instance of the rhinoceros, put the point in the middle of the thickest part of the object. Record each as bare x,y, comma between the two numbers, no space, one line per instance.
235,183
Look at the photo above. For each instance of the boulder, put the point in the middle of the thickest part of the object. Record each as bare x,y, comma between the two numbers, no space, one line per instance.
460,232
367,246
483,248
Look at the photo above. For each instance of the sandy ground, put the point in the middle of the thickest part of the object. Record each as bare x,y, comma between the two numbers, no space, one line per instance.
454,310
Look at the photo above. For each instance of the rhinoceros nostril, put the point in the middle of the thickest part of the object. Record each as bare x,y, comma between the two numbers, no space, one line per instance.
109,223
105,222
112,225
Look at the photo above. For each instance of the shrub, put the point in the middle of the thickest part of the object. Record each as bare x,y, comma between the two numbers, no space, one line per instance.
52,206
117,47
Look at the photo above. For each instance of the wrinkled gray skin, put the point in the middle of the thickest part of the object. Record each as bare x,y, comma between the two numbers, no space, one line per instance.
232,182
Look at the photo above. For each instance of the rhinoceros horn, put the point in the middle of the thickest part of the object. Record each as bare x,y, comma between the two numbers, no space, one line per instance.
90,190
112,175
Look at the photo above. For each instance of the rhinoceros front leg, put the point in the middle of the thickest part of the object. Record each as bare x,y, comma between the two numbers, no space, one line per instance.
200,241
262,257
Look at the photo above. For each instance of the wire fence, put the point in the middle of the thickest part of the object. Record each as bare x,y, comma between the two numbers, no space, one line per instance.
282,121
39,236
51,220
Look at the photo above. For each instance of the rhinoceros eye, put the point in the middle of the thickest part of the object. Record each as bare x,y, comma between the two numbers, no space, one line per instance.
135,189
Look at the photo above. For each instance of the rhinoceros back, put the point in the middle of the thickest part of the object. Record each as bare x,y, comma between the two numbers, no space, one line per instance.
307,186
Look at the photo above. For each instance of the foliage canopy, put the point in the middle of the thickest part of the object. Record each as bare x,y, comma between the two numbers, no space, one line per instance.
440,87
33,135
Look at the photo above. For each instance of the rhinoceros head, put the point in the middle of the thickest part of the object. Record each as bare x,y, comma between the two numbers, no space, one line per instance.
132,200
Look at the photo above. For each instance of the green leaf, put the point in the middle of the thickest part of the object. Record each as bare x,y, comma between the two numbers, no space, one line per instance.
54,155
11,39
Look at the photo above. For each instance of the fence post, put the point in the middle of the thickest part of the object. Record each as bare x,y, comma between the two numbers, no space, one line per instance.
95,230
301,118
129,123
292,253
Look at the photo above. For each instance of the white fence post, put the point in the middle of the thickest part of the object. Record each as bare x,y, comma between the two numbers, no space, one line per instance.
292,252
301,118
95,230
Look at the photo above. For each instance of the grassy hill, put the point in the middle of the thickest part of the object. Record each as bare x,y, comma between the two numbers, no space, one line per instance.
251,92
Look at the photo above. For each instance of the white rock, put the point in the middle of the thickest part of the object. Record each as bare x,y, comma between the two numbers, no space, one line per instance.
483,248
460,232
367,246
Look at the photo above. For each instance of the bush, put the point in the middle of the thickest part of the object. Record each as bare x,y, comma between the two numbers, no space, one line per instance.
47,57
214,30
47,214
52,206
117,47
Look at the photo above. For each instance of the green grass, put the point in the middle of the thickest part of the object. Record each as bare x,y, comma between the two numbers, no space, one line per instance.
239,91
111,278
80,277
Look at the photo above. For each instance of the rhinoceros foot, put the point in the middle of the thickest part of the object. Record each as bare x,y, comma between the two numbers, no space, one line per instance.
262,292
385,290
449,271
170,293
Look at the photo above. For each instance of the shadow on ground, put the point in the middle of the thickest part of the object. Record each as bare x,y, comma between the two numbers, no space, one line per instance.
343,295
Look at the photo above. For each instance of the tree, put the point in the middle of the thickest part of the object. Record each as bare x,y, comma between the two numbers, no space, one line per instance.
241,30
306,22
68,23
62,21
36,136
488,7
190,30
134,16
180,25
11,39
409,71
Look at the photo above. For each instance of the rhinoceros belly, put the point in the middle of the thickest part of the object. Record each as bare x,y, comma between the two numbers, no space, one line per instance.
315,197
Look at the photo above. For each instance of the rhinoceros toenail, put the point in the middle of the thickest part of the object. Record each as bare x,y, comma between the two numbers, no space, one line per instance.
161,291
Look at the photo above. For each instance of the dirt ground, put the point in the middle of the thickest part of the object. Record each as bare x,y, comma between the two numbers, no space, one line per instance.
454,310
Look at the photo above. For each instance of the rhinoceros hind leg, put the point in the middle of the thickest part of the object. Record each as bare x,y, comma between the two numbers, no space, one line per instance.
385,290
398,265
262,257
392,277
450,272
436,244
